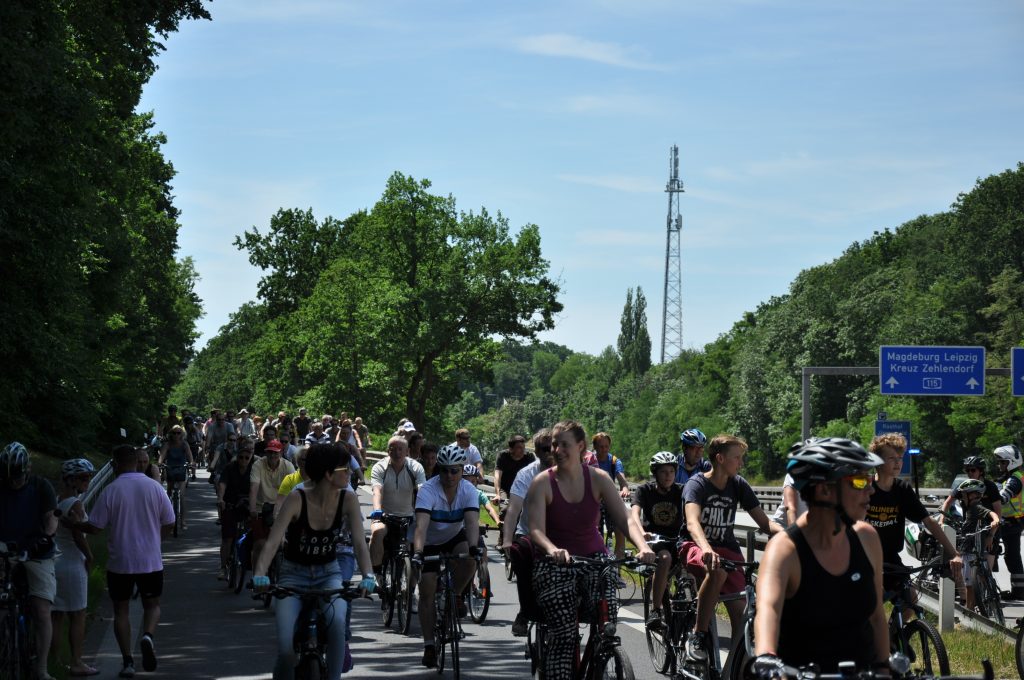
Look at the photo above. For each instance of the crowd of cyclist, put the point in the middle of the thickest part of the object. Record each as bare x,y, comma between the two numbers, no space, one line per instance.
821,582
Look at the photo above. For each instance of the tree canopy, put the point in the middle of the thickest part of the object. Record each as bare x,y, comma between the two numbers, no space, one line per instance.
99,316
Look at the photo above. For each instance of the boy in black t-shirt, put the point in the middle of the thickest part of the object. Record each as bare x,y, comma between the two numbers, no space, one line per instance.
892,504
658,508
976,516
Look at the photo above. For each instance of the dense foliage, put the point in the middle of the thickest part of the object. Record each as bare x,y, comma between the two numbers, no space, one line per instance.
948,279
383,314
99,316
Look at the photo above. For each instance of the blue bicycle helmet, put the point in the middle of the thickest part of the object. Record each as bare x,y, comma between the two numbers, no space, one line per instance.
693,437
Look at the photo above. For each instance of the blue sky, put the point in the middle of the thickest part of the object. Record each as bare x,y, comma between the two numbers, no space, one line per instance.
802,127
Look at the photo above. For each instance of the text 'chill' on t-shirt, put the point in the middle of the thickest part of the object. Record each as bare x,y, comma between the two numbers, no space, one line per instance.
718,508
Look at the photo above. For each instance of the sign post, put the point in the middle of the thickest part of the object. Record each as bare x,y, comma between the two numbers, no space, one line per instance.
931,371
1017,371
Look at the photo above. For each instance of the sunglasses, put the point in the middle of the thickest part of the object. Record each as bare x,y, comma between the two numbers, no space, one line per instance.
454,470
859,482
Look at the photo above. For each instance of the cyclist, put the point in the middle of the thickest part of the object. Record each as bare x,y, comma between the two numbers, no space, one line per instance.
892,503
311,521
177,456
448,515
144,465
691,460
485,503
657,507
1011,493
791,507
394,481
165,424
265,479
429,459
819,587
565,506
508,465
710,503
601,457
975,515
27,503
73,561
233,500
515,536
974,468
462,440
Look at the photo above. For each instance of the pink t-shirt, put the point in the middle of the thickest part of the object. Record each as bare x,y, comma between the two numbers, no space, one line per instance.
134,507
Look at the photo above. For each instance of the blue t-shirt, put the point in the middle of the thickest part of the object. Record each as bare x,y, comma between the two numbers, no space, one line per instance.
22,511
611,465
683,475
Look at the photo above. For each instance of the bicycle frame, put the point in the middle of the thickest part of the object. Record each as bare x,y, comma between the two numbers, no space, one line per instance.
14,622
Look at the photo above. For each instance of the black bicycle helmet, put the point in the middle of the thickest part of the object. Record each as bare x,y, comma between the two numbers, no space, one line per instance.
827,459
971,486
974,462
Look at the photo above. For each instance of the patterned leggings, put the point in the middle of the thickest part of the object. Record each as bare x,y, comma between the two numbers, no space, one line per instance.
568,595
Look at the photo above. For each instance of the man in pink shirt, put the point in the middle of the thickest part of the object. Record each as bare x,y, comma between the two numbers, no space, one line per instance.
136,511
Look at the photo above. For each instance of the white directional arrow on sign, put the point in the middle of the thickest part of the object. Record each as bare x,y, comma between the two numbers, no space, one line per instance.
892,382
972,383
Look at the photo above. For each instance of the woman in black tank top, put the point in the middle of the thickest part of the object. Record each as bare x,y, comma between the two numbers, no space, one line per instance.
310,521
819,587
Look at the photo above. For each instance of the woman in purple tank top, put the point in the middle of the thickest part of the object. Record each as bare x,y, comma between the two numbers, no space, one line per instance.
564,510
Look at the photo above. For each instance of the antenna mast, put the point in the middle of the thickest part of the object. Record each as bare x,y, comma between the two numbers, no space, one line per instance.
672,310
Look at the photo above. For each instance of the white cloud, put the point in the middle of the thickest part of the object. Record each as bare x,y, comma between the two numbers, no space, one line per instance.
575,47
634,185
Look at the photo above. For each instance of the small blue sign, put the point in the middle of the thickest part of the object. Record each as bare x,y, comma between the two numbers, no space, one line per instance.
902,427
1017,371
931,371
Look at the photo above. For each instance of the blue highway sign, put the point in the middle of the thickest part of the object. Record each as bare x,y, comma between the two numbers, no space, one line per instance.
1017,371
931,371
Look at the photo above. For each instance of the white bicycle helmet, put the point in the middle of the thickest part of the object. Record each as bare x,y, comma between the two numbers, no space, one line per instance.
450,454
13,461
1011,454
663,458
469,469
76,466
971,486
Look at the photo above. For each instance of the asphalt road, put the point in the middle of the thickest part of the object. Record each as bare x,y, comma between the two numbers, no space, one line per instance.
208,632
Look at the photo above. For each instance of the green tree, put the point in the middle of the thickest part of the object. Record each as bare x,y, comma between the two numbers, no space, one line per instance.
634,342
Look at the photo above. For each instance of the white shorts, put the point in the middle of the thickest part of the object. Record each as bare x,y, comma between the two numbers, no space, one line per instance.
42,581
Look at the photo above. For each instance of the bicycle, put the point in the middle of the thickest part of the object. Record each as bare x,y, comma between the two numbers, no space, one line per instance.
743,648
175,494
236,568
310,638
396,587
900,669
447,626
17,638
916,639
479,592
510,575
602,656
1018,648
986,592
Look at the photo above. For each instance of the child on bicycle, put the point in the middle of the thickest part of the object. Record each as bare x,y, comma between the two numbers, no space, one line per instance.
976,516
657,507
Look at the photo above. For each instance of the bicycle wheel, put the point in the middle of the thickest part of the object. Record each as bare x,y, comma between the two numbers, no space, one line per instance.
656,643
737,659
926,650
177,512
535,649
403,588
1018,651
615,666
10,658
310,668
987,595
453,630
388,592
510,575
480,593
440,627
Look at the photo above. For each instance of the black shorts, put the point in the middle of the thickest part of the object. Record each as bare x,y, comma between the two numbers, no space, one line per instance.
448,547
121,586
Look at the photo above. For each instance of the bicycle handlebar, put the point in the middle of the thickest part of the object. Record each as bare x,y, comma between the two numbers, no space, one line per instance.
13,552
346,592
847,671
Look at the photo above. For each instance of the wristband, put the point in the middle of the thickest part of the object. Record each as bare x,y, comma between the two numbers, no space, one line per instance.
260,581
